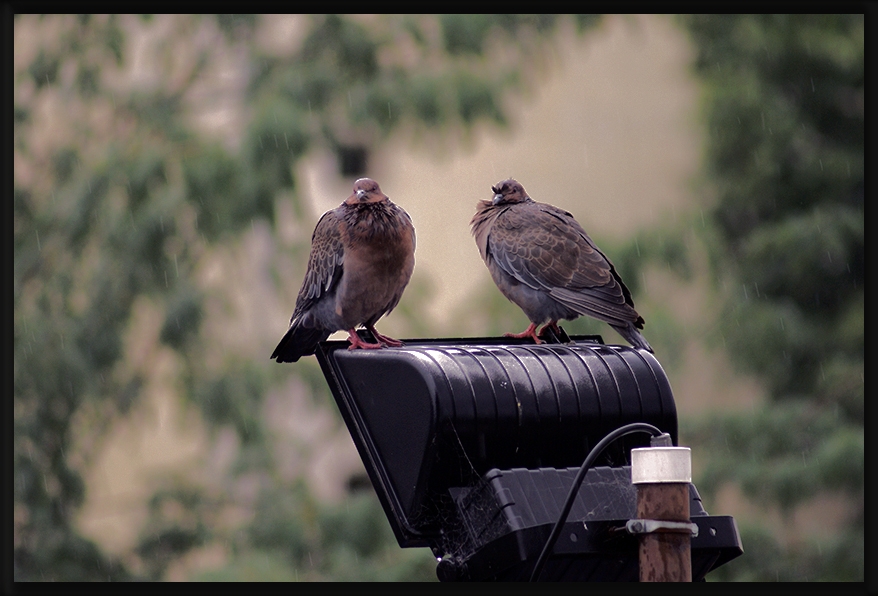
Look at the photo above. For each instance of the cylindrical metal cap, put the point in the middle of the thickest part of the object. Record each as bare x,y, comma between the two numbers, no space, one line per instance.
651,465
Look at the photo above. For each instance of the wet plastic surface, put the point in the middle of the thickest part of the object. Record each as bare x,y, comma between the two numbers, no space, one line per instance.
436,414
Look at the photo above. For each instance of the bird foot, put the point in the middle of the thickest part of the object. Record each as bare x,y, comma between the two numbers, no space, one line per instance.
529,332
357,343
551,324
393,343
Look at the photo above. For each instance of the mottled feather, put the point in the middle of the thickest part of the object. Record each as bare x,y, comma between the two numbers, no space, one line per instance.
542,260
325,263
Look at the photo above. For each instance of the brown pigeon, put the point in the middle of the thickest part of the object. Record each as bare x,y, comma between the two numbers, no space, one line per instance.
362,257
542,260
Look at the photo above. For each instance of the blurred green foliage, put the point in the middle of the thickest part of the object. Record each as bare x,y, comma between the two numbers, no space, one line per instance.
784,106
120,200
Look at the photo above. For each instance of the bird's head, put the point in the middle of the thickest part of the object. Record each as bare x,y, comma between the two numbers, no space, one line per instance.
508,191
366,190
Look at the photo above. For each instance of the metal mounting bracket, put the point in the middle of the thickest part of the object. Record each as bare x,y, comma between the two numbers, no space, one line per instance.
649,526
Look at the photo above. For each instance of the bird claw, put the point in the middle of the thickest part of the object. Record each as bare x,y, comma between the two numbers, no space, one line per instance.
382,341
357,343
388,341
364,346
529,332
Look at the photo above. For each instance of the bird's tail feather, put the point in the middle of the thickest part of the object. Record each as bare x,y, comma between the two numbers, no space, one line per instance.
633,336
299,341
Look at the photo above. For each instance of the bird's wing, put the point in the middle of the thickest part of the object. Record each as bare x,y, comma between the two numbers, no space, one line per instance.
546,249
325,263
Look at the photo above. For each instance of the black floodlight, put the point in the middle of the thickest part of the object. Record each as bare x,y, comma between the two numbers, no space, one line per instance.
472,445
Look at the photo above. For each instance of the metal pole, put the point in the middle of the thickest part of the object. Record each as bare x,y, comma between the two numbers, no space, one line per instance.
662,476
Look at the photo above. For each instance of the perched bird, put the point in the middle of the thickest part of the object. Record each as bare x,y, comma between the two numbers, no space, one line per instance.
542,260
362,257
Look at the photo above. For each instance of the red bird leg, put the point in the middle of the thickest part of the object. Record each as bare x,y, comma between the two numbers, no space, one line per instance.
356,342
394,343
553,325
529,332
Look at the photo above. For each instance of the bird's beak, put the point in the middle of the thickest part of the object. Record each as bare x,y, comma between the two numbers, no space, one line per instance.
361,195
497,199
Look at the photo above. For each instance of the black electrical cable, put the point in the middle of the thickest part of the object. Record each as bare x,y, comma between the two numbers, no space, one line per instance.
580,476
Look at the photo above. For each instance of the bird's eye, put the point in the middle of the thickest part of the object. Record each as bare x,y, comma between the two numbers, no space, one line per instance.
494,190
